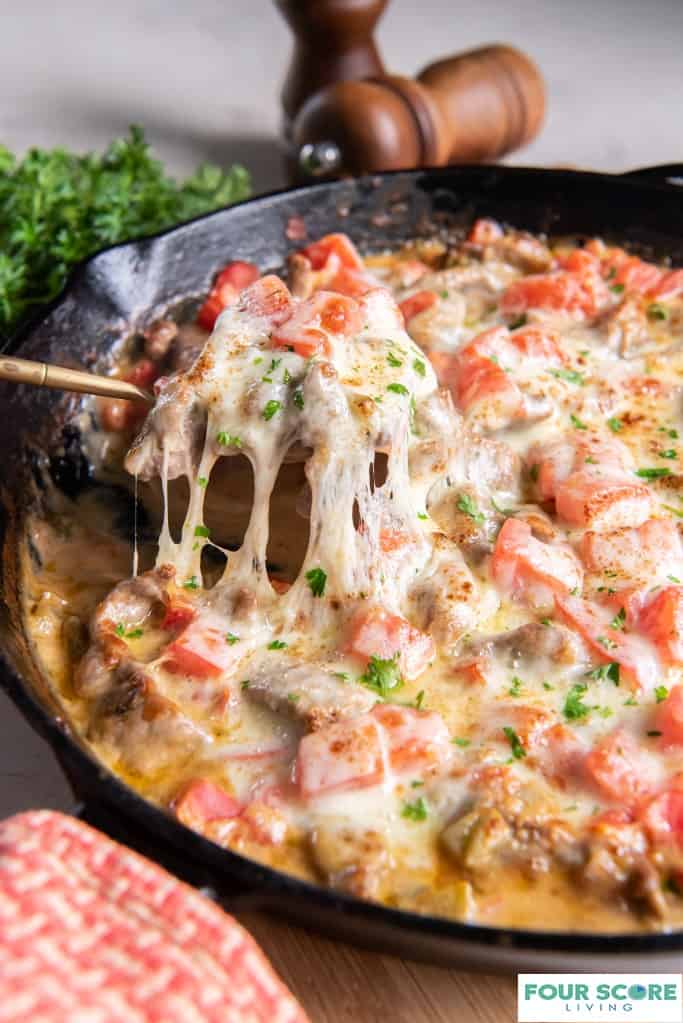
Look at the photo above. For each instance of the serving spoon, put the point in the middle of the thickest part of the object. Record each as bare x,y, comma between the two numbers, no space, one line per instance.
44,374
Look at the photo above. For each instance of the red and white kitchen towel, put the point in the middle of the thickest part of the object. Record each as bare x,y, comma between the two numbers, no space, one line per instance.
90,932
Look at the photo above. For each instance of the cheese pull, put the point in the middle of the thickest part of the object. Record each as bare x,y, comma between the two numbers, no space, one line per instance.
473,107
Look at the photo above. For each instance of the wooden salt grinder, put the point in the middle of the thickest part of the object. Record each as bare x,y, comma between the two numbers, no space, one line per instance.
469,108
333,43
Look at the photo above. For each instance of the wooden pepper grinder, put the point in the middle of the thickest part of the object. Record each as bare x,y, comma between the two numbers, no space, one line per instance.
333,43
471,107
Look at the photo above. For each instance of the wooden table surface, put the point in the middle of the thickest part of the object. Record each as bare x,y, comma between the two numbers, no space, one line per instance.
337,983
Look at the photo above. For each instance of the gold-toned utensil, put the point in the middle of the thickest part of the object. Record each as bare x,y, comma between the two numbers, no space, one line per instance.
44,374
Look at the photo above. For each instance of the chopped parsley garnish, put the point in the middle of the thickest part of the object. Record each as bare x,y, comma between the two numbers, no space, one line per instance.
631,702
679,513
468,506
316,579
298,398
618,620
443,294
416,811
245,683
277,644
669,453
652,474
293,697
605,672
519,322
202,481
419,700
674,579
574,709
270,408
287,376
518,750
202,531
533,472
615,425
393,361
605,641
548,687
343,675
191,583
577,423
423,516
416,784
383,676
516,686
461,742
507,512
419,367
398,389
128,634
656,311
228,440
617,288
661,693
572,376
231,638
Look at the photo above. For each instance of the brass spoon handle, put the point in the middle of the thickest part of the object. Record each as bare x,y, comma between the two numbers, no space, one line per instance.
43,374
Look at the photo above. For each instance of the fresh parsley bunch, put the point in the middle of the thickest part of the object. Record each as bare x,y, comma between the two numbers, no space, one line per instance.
56,208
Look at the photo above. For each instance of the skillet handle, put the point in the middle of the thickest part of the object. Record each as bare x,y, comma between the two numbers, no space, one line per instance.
234,897
659,174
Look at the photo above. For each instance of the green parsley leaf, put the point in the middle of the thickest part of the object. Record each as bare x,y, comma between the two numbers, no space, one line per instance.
293,697
120,629
202,531
468,506
298,398
423,516
577,423
277,644
270,408
416,811
676,511
393,361
656,311
653,474
57,208
631,702
343,675
533,472
419,700
604,672
605,641
661,693
574,708
674,579
548,687
444,293
191,583
398,389
518,751
228,440
202,481
618,620
669,453
382,675
245,683
419,366
462,743
516,686
231,638
618,289
316,578
615,425
519,322
572,376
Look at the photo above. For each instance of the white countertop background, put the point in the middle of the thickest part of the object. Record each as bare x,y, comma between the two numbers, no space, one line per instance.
203,79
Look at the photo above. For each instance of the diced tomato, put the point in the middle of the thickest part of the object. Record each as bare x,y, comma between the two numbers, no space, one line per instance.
636,659
661,620
554,462
634,554
339,245
374,632
562,291
202,648
143,373
559,753
201,801
581,261
417,303
532,570
485,231
539,343
479,375
445,366
344,755
603,500
416,739
269,297
663,818
308,331
669,286
669,717
225,290
178,615
636,275
619,769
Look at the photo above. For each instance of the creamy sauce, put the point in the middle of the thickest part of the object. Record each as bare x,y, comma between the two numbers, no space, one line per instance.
485,797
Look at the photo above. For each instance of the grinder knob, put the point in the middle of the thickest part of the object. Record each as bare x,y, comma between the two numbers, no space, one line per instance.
472,107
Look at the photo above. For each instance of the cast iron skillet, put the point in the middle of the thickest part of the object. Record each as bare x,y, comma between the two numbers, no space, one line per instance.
122,289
